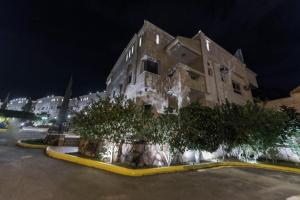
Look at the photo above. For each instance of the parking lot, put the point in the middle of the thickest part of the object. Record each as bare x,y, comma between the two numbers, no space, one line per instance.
30,174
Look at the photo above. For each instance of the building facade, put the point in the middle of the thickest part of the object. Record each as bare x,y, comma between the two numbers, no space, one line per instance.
48,105
292,101
160,70
77,104
17,104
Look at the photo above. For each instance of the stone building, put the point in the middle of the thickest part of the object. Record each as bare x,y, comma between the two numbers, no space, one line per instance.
292,101
160,70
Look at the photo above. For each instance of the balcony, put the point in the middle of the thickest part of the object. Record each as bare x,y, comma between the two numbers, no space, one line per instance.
188,77
147,81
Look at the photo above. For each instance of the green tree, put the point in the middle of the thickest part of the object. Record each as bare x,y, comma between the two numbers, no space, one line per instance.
93,125
291,139
201,127
251,128
119,120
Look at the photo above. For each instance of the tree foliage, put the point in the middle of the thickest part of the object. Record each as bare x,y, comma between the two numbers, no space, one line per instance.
195,127
251,126
118,121
200,126
291,138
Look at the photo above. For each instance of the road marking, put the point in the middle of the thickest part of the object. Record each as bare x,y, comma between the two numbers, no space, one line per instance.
26,157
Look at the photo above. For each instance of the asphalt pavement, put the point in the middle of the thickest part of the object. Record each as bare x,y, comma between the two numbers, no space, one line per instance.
28,174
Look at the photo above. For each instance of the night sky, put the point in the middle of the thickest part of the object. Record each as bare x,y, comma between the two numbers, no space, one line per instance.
43,42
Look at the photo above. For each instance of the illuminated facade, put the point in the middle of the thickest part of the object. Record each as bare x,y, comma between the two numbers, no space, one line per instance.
77,104
292,101
17,104
48,105
160,70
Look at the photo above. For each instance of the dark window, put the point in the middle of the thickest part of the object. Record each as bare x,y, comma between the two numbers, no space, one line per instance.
236,87
120,88
147,108
151,66
210,72
129,78
114,94
224,69
193,75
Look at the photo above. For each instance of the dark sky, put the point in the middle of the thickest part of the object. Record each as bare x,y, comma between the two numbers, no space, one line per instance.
43,42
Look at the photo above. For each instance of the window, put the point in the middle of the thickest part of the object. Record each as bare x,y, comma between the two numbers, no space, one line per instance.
114,94
132,48
147,108
120,88
151,66
207,44
140,41
236,87
210,72
223,70
193,75
126,57
129,78
157,39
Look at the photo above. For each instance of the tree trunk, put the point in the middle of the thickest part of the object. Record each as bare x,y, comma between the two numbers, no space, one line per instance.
138,150
120,151
89,148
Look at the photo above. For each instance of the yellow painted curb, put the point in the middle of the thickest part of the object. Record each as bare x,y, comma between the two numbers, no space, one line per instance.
3,130
21,143
160,170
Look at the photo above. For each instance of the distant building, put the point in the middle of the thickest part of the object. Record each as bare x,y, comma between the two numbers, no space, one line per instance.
48,105
82,101
159,70
292,101
17,104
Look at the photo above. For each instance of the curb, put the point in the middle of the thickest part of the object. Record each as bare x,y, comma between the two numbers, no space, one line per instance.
3,130
160,170
22,143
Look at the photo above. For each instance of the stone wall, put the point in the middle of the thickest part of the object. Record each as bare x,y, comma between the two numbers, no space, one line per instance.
141,155
287,155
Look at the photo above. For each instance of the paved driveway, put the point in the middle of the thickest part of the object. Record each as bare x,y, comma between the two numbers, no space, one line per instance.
27,174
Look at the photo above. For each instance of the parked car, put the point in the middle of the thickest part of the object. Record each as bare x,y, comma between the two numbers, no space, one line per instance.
3,125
